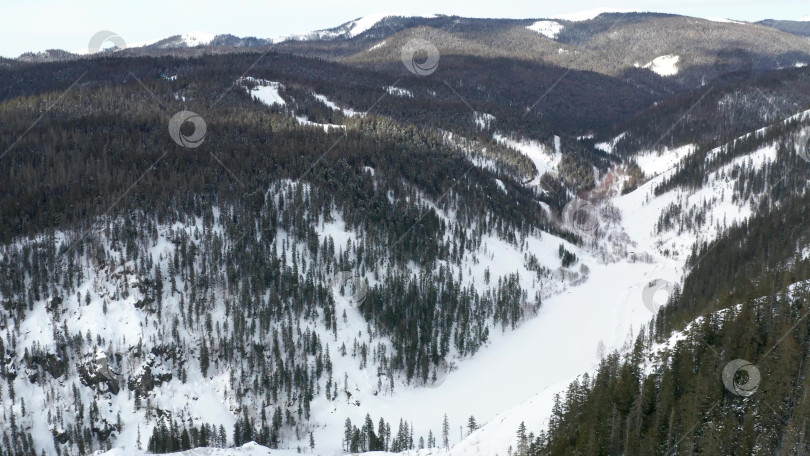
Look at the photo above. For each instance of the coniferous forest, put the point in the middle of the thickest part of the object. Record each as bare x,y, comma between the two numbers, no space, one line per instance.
344,232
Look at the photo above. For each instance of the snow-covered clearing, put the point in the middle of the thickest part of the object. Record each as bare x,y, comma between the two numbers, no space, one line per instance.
610,146
348,112
197,38
654,163
483,120
377,46
726,20
399,92
350,29
549,29
666,65
266,91
544,159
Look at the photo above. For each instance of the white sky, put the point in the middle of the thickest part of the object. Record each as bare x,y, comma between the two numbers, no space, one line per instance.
34,25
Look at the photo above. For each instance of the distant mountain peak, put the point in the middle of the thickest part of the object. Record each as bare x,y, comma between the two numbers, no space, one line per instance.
349,29
197,38
587,15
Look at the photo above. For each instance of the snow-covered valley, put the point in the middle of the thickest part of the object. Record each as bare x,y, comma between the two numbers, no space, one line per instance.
587,311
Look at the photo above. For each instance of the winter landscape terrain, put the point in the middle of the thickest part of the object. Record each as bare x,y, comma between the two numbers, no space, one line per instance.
426,235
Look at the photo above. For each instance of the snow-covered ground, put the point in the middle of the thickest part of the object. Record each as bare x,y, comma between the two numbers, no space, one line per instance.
606,311
666,65
483,120
654,163
266,92
197,38
346,111
609,146
349,30
512,379
249,449
544,158
549,29
726,20
399,92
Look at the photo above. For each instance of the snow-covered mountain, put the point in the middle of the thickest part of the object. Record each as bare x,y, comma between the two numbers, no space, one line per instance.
352,257
348,30
609,41
586,15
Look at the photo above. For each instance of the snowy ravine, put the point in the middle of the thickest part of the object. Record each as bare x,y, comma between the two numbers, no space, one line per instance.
608,308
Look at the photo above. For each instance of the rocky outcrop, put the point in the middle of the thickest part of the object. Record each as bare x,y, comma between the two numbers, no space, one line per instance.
97,374
50,363
60,435
103,428
9,369
151,374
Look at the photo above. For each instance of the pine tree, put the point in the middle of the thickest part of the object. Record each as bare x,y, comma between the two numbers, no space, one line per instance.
347,434
185,440
204,359
523,443
381,435
471,425
446,433
223,437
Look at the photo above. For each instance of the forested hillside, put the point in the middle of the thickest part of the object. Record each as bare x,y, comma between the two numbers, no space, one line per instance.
321,244
722,368
143,266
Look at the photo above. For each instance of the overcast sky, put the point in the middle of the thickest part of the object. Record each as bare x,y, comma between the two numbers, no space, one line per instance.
34,25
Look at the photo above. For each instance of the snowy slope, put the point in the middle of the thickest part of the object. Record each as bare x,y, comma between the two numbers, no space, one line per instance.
726,20
611,298
609,146
348,30
549,29
249,449
346,111
666,65
197,38
590,308
112,315
364,23
655,163
267,92
587,15
190,39
545,160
